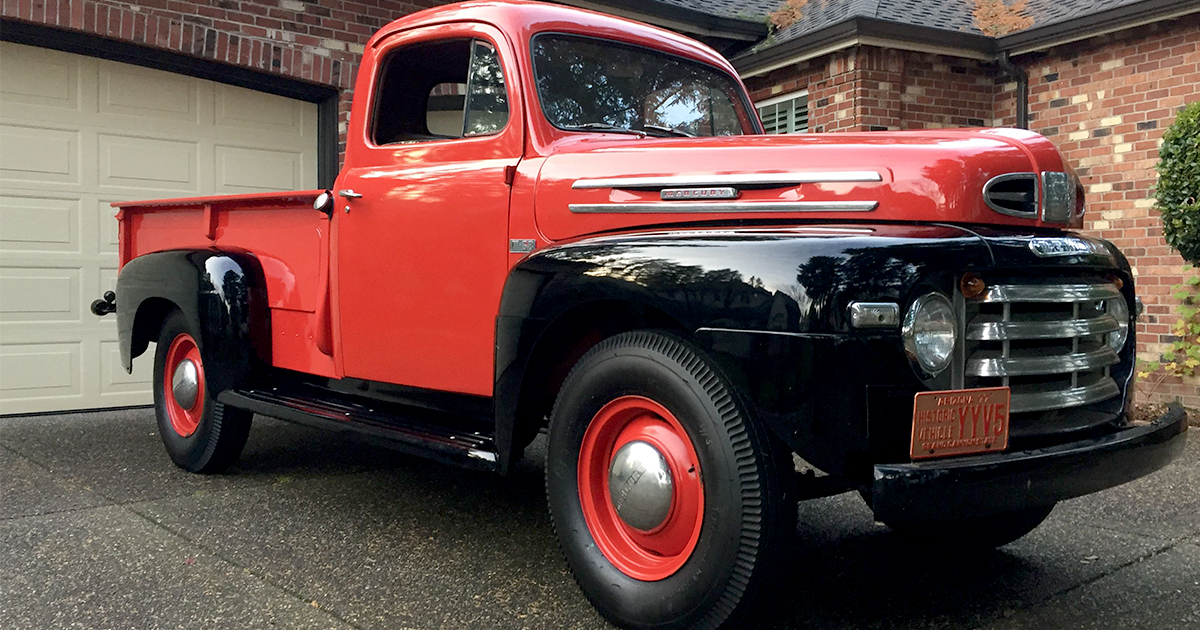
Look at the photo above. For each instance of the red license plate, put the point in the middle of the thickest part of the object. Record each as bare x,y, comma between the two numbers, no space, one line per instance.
960,422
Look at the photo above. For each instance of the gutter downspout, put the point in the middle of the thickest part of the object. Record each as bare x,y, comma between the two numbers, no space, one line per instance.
1022,78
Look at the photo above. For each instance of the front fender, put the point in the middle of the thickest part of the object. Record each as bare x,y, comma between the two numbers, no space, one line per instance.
222,296
754,298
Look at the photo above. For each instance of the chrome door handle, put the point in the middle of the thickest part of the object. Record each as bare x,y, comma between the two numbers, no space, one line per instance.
350,194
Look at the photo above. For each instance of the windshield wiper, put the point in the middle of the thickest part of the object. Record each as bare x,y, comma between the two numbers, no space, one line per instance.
602,126
670,131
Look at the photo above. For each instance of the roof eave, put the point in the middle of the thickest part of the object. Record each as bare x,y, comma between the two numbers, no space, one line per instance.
1120,18
867,30
681,18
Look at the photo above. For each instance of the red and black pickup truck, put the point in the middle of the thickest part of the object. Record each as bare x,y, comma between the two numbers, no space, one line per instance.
553,218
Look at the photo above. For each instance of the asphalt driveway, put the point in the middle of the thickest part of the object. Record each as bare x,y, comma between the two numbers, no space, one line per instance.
312,530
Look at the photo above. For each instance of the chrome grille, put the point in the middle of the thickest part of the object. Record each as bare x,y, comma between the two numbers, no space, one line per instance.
1047,342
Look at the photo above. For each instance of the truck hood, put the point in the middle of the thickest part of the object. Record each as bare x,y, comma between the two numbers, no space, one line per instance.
604,182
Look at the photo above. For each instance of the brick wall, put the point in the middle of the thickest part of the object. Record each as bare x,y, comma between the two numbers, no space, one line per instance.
1106,102
872,89
830,84
319,41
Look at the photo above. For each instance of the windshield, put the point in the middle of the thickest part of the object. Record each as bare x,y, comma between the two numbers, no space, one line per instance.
597,85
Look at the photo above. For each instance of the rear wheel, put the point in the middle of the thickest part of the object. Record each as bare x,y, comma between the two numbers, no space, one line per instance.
201,435
976,533
670,502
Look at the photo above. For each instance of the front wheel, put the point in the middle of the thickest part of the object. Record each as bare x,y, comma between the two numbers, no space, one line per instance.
975,533
670,502
201,435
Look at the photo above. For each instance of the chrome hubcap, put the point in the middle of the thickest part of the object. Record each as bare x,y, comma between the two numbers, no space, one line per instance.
640,485
185,384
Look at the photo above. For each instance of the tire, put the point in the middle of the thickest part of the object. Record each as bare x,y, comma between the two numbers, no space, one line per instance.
732,514
973,534
207,436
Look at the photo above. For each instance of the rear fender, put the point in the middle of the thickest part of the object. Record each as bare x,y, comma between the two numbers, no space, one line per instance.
222,295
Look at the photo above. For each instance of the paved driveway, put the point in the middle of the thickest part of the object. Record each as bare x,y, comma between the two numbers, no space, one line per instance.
99,530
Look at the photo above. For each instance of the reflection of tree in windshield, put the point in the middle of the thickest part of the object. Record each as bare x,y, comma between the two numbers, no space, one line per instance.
584,81
487,103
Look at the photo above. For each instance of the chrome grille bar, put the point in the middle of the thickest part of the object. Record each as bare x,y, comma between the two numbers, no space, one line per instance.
1046,341
1044,401
1050,293
1054,329
983,365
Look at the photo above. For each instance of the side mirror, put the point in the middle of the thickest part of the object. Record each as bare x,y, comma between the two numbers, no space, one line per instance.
324,203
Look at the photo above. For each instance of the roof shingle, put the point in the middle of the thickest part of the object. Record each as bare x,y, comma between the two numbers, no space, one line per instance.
952,15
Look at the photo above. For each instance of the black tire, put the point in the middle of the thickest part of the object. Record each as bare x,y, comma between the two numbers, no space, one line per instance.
217,432
748,513
973,534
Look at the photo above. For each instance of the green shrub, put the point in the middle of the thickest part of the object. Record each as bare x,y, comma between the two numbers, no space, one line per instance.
1178,192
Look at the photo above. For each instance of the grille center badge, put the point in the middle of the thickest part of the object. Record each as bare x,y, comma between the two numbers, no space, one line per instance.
713,192
1046,247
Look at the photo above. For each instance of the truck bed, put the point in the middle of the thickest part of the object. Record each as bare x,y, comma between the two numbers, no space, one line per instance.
288,238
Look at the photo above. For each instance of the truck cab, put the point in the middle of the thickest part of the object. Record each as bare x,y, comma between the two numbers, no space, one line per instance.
550,219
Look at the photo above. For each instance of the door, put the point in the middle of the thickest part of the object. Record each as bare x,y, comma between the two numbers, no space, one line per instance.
422,253
77,133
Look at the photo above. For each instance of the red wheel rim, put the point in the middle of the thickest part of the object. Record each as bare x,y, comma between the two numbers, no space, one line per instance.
660,552
184,421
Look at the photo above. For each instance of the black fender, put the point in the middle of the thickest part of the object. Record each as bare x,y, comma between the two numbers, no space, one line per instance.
221,294
770,304
771,307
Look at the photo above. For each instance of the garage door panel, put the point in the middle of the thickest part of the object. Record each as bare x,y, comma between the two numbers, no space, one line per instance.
39,295
149,94
39,371
129,161
108,229
39,78
246,109
108,279
114,379
241,170
47,224
76,134
39,154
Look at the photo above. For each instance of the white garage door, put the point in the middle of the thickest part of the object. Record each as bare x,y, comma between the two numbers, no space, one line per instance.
77,133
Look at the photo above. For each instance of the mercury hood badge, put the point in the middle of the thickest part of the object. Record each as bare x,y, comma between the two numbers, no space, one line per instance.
685,194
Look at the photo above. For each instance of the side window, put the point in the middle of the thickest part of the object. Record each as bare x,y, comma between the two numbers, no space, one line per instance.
440,91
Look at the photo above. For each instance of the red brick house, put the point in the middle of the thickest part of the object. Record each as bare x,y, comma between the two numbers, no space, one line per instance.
103,100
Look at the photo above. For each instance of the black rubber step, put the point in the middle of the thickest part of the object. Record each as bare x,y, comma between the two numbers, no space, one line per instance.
443,437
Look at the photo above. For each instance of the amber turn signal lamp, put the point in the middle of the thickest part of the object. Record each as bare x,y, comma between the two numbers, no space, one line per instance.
971,286
1116,280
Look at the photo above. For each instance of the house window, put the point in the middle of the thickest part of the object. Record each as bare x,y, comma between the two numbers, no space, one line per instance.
785,114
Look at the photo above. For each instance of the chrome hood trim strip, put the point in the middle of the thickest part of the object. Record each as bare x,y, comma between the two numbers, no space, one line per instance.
738,179
703,207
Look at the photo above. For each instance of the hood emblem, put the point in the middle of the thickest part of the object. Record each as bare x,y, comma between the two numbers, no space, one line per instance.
711,192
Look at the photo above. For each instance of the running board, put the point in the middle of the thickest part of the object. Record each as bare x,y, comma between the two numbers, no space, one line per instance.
411,430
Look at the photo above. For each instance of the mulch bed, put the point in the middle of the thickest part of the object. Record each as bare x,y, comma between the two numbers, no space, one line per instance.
1145,412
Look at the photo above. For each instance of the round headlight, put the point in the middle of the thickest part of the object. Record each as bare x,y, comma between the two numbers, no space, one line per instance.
1119,309
930,332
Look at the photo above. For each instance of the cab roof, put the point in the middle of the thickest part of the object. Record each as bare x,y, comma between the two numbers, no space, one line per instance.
521,19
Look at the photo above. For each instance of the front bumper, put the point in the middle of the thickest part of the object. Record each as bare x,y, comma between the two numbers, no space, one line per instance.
990,484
